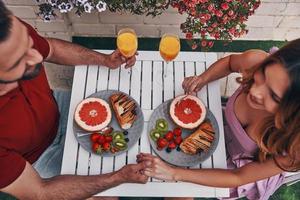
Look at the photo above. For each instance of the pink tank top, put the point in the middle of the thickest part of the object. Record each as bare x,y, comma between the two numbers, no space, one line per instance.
242,142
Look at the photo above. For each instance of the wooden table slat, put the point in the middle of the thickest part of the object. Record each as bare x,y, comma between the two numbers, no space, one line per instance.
71,144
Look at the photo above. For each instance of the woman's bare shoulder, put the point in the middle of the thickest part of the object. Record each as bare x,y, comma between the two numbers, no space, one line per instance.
247,59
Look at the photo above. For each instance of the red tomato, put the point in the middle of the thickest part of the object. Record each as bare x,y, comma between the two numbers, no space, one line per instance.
172,145
94,137
101,139
162,143
169,136
108,138
177,132
178,140
97,148
106,146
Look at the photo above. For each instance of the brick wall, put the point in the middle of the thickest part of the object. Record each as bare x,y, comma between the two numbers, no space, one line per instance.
274,20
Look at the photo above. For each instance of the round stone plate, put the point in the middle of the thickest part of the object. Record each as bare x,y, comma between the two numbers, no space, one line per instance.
134,133
175,157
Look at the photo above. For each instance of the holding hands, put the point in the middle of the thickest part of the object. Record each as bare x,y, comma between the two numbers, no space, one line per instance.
133,173
156,168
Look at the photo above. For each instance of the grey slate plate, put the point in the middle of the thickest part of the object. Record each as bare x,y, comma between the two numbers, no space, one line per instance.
179,158
134,133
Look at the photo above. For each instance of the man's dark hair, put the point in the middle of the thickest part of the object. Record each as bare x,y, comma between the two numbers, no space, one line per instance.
5,21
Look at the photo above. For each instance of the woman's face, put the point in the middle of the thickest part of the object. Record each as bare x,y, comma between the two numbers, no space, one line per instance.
268,88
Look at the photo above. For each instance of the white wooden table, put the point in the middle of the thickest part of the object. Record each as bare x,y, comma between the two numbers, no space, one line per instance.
147,85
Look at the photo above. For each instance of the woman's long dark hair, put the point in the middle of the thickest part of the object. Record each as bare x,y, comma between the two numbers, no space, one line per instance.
280,134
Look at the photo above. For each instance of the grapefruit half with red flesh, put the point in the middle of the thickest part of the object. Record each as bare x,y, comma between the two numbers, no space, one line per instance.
93,114
187,111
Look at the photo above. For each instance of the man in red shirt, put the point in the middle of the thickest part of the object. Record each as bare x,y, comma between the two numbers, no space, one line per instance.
29,116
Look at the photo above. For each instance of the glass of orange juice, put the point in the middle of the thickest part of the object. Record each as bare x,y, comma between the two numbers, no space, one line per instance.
127,42
169,48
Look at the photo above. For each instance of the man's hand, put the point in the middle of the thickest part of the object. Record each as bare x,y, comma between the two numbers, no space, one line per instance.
116,59
132,173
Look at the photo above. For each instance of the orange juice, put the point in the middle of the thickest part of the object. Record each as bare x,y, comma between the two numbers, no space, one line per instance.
127,43
169,47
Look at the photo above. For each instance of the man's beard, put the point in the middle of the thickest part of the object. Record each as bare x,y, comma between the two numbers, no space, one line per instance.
28,75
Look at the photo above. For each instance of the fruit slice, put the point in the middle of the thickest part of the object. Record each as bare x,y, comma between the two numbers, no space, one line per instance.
120,144
161,125
118,135
155,134
187,111
92,114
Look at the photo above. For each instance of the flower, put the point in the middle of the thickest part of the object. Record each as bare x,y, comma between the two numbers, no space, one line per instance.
206,19
88,7
65,7
211,19
101,6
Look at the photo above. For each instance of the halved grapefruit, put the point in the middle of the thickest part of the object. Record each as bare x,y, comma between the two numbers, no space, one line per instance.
93,114
187,111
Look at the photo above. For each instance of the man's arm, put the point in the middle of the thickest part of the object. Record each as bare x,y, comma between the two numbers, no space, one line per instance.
67,53
30,186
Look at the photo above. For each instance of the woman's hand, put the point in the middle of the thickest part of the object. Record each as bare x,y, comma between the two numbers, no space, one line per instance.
156,168
193,84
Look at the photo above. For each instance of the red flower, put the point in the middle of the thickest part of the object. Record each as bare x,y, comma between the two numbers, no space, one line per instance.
194,46
225,6
189,36
210,44
222,20
219,13
204,43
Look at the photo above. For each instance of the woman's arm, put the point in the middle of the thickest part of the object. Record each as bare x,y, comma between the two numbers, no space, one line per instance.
67,53
251,172
223,67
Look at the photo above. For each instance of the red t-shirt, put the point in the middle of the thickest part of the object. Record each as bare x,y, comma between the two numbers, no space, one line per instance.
28,120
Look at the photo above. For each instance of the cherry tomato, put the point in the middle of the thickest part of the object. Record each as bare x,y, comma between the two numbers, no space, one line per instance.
108,138
172,145
94,137
106,146
97,148
162,143
178,140
169,136
101,139
177,131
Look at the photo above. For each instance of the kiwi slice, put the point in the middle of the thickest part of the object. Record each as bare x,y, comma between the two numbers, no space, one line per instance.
155,134
161,125
120,144
118,135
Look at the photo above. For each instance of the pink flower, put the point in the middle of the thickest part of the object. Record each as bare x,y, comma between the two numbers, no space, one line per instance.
194,46
203,43
225,6
219,13
189,35
211,7
210,44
